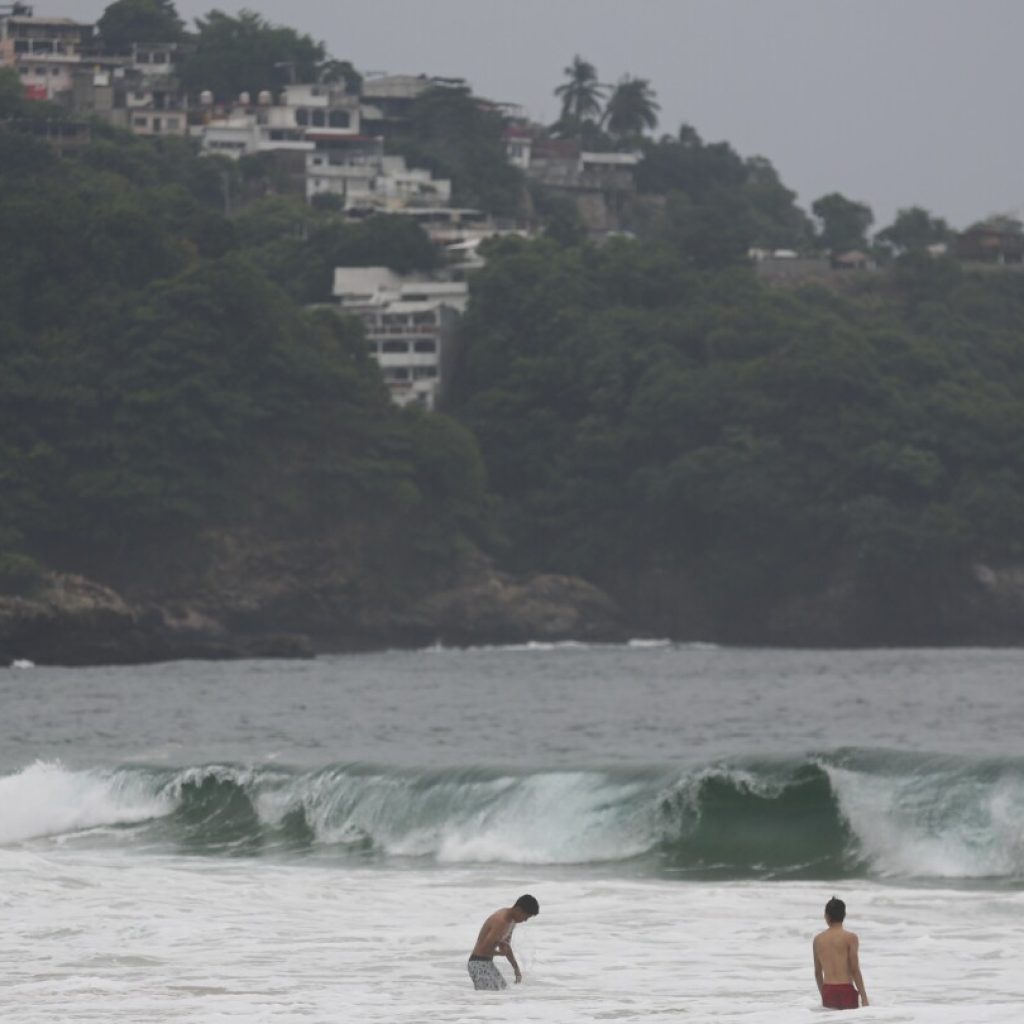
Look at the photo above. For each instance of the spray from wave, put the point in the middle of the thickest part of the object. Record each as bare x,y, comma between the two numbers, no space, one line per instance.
849,813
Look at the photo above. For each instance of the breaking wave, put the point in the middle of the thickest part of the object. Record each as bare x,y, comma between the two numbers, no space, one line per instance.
845,813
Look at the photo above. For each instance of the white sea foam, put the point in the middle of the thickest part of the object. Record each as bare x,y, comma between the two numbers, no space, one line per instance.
176,939
914,826
22,663
48,799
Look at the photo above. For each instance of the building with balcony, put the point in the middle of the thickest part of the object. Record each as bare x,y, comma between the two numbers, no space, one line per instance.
44,51
366,180
303,115
411,328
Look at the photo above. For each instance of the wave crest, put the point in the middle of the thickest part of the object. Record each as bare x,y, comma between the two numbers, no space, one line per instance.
846,813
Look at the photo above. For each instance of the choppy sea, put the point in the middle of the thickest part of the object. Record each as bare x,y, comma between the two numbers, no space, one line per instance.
319,841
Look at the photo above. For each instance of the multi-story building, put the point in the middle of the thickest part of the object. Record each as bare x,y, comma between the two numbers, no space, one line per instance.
321,126
44,51
303,114
387,100
154,101
365,179
410,325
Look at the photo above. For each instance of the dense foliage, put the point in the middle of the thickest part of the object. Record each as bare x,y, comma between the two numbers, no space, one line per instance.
455,136
717,204
640,416
156,383
245,53
139,21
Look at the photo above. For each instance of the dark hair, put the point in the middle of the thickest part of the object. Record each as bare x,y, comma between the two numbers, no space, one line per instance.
528,905
835,910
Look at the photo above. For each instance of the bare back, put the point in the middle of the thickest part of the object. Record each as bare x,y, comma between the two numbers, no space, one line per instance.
835,949
495,933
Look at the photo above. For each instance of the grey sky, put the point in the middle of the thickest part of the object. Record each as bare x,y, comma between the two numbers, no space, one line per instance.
891,102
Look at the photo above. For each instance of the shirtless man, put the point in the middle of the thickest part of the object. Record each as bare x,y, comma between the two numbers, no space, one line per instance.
836,965
495,938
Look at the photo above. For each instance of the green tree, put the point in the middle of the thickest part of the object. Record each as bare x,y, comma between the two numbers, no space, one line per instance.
343,71
632,108
12,93
844,223
914,229
247,54
139,21
452,134
582,94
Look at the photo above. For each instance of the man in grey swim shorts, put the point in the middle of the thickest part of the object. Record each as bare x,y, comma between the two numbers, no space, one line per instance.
495,939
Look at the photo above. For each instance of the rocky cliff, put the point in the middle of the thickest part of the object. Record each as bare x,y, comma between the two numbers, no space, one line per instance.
293,600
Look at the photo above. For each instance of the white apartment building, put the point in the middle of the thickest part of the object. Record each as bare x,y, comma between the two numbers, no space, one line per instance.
304,116
410,324
366,179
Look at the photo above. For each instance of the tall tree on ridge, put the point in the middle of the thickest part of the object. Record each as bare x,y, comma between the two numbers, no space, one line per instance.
139,21
632,108
581,96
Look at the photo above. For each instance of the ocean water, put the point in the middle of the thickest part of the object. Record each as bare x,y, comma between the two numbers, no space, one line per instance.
321,840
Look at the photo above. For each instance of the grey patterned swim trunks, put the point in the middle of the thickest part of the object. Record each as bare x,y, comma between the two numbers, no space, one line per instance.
484,974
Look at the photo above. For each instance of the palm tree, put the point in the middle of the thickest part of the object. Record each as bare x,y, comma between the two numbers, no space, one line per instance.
631,107
581,96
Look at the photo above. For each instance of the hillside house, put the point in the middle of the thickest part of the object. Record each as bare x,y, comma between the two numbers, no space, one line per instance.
997,242
410,324
45,52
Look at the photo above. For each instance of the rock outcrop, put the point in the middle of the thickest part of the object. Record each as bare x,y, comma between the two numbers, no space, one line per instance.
293,602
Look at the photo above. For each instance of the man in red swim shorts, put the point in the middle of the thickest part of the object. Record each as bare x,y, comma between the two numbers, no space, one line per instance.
836,962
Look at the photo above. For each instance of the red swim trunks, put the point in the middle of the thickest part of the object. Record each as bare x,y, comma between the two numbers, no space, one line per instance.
839,997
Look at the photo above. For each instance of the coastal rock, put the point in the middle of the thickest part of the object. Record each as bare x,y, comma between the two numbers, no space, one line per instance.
67,619
290,601
500,609
70,620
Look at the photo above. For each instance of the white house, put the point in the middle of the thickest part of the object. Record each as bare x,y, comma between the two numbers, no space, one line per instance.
304,116
410,324
358,171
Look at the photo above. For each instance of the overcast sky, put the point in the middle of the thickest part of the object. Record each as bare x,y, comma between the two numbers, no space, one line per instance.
891,102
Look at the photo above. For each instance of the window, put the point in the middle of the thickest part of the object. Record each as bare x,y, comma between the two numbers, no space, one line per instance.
340,119
301,116
319,118
423,318
391,345
140,122
425,372
157,124
396,373
426,346
172,124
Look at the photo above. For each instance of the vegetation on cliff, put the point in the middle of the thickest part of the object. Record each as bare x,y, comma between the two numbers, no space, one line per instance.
157,383
640,415
645,414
